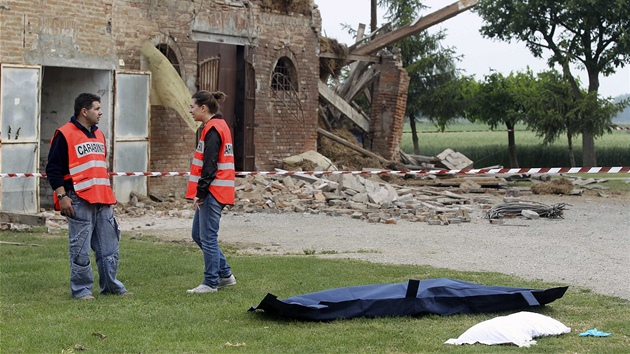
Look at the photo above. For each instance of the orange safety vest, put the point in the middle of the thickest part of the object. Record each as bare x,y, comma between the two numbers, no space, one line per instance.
87,164
222,187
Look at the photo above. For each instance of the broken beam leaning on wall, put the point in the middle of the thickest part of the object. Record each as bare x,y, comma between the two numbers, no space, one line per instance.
344,107
167,87
351,57
420,25
358,71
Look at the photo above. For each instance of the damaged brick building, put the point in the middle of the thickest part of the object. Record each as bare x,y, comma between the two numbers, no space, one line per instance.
263,54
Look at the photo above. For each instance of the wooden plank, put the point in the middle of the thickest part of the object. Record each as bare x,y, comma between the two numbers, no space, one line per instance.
344,107
351,145
362,83
357,69
420,25
352,57
26,219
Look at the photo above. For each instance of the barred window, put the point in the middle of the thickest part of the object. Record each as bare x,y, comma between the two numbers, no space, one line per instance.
284,76
208,78
170,55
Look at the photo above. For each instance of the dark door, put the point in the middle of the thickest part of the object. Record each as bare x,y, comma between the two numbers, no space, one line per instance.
249,104
227,68
244,127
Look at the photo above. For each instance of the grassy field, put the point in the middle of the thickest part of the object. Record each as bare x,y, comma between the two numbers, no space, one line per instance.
38,315
489,148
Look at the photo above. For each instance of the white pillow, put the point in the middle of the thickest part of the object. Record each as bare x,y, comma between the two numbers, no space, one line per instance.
519,329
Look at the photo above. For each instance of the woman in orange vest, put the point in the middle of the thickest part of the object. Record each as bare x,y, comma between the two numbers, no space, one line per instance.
211,187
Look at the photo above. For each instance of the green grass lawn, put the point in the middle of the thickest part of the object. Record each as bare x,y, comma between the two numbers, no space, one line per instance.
39,316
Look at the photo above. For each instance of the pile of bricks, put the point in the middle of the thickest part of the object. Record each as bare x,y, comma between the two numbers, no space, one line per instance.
368,199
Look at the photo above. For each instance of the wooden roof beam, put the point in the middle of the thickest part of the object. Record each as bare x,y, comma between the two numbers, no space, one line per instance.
418,26
344,107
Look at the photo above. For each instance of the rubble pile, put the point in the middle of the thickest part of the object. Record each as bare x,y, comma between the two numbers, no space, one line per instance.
366,198
363,198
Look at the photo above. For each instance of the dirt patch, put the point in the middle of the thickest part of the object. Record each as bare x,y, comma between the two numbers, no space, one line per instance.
344,157
556,186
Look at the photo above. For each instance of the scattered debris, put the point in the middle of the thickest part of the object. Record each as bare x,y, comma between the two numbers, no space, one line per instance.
310,161
514,209
453,160
99,335
238,344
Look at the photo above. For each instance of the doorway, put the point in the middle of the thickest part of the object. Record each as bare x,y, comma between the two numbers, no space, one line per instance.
228,68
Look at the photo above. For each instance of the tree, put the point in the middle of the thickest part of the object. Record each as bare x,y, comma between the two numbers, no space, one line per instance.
431,68
498,100
553,109
590,33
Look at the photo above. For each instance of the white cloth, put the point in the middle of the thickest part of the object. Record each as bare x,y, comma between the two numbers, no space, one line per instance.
519,329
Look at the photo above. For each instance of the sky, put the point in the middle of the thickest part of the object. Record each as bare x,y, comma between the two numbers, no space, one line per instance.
462,32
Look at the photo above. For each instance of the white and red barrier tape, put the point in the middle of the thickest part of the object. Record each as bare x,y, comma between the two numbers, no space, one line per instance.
482,131
479,171
459,131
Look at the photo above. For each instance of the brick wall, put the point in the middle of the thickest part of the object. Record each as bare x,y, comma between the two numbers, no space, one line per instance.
45,31
388,107
285,127
104,33
172,147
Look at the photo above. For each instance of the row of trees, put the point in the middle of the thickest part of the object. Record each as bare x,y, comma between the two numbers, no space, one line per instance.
545,102
592,34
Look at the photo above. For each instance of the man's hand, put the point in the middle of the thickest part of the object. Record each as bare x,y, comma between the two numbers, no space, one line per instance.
65,204
196,203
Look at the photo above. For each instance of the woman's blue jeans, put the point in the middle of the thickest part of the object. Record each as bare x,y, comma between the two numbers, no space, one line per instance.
205,233
93,226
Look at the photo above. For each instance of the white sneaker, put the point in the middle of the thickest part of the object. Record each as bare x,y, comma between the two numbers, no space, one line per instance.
203,288
229,281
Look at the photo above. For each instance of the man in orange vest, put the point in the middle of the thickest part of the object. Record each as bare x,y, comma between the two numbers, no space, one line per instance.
211,187
77,172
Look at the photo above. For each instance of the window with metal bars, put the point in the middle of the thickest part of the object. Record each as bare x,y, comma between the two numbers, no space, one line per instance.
170,55
283,78
208,78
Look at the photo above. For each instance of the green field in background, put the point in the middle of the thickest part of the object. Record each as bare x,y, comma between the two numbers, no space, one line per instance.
489,148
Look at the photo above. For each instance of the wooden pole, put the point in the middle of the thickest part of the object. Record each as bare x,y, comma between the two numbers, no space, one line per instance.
414,28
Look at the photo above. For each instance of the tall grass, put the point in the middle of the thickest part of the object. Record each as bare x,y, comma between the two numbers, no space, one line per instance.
491,148
39,316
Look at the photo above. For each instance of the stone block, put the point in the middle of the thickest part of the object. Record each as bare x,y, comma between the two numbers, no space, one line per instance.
530,214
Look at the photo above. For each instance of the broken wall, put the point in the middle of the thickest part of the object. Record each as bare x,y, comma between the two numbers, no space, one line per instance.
389,103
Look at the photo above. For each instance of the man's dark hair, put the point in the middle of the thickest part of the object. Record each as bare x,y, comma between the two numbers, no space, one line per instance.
85,100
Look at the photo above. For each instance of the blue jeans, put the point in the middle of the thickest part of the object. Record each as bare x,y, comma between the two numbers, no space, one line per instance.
93,226
205,233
